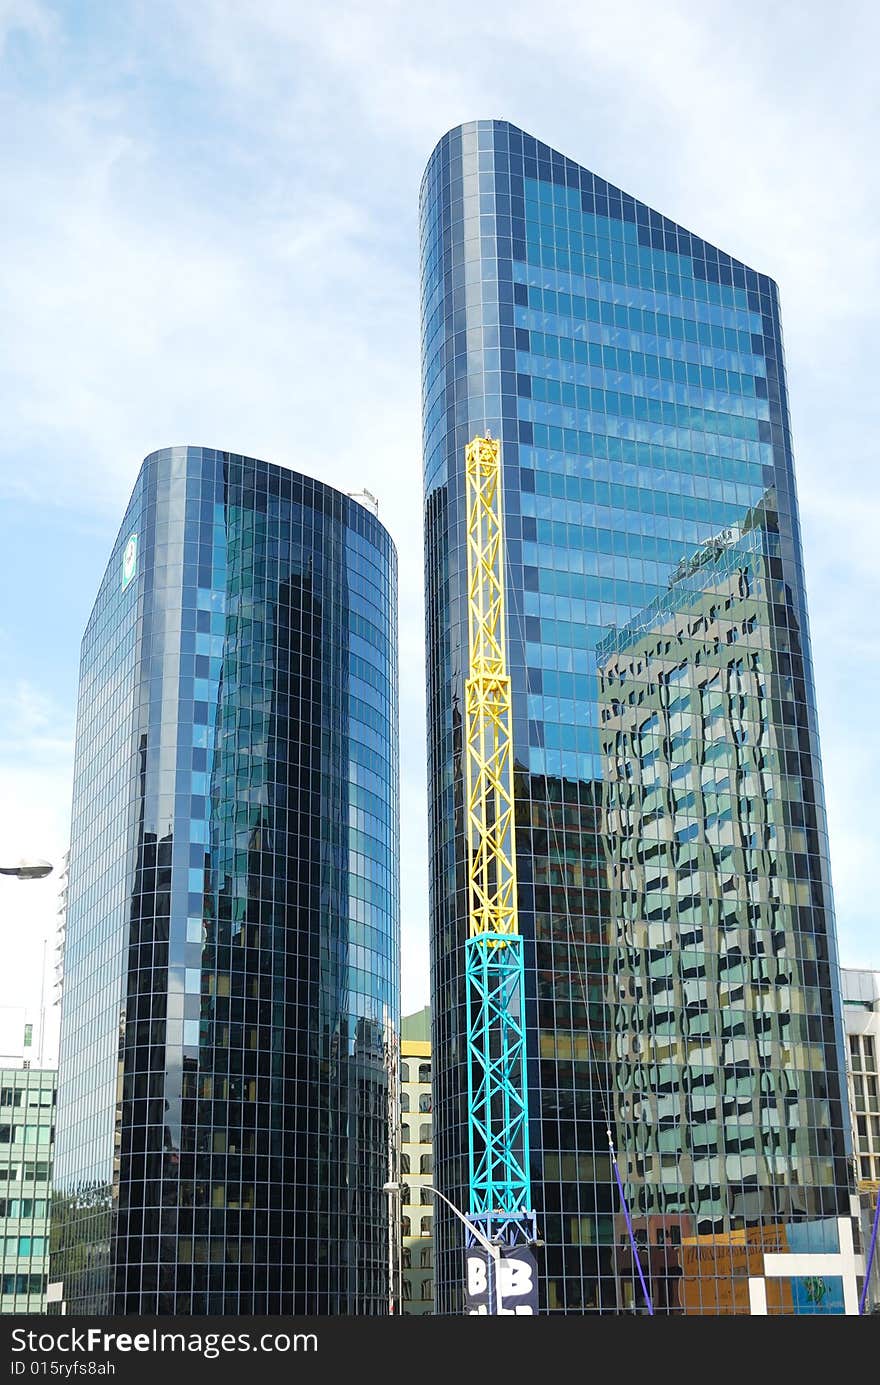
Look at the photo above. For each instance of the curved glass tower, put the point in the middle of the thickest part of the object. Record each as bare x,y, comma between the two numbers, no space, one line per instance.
231,988
674,886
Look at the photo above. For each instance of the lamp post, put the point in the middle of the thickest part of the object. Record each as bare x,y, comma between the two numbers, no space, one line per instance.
492,1248
28,870
392,1190
391,1046
35,869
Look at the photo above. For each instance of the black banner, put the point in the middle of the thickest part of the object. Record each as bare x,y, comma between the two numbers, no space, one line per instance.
506,1284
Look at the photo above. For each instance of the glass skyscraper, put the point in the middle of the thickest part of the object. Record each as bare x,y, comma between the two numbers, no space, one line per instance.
674,887
231,991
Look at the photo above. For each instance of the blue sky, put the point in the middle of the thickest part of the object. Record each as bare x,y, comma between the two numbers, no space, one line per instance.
211,237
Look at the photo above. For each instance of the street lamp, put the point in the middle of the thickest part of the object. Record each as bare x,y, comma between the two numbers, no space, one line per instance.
34,869
492,1248
28,870
392,1190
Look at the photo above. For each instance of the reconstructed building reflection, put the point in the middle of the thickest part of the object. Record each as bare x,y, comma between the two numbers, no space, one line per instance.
726,1088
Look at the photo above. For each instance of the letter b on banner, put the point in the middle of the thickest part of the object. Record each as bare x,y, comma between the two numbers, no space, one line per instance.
477,1277
518,1282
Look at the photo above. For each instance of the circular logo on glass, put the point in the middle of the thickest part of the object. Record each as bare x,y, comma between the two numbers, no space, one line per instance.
129,560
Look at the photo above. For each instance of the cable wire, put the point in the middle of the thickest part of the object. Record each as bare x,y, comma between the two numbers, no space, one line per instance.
870,1264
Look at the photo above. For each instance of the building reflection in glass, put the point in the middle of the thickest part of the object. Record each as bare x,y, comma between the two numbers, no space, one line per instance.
726,1101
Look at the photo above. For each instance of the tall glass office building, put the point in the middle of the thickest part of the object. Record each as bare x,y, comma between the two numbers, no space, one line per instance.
231,989
674,888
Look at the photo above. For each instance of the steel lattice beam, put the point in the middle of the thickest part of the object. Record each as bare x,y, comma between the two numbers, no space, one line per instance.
499,1146
489,755
500,1189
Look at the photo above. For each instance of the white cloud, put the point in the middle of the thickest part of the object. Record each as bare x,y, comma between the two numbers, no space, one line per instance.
36,753
215,241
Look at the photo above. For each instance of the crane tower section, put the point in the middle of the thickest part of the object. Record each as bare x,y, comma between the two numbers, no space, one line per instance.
500,1188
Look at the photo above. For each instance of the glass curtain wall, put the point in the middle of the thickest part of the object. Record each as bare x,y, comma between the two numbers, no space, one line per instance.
674,886
232,951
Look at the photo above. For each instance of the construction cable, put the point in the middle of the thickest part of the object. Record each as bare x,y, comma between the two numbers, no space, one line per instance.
871,1250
